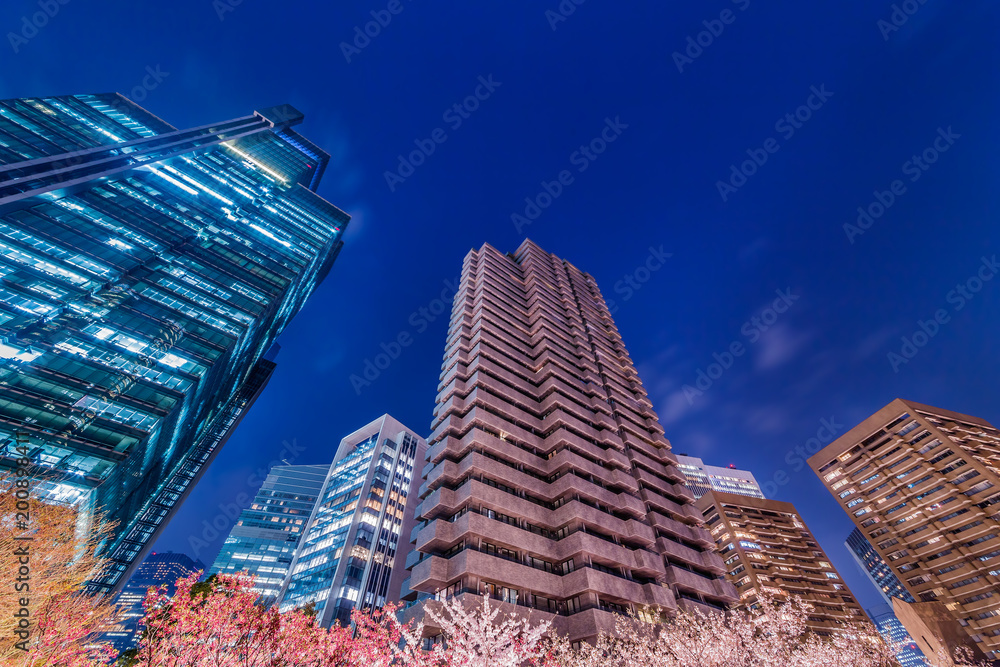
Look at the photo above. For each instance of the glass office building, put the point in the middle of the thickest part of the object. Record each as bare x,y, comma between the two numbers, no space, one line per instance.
144,272
907,652
264,539
702,478
159,569
349,557
876,569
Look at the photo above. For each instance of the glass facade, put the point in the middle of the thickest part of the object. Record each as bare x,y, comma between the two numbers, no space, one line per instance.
265,536
144,272
908,654
703,478
875,567
349,555
159,569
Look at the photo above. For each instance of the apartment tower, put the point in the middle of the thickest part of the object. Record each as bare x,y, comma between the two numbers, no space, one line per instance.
549,484
922,485
768,549
145,271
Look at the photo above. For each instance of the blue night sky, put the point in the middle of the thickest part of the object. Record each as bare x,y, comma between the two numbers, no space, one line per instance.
879,93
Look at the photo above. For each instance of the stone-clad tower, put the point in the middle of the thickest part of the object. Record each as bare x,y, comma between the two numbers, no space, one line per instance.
548,482
922,485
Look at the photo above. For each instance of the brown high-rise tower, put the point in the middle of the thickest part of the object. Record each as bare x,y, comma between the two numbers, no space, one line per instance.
922,485
549,483
769,550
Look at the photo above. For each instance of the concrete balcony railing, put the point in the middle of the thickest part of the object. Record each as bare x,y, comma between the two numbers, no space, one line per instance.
691,606
640,458
712,588
434,572
413,558
692,557
455,426
438,503
629,503
695,534
515,351
667,506
588,580
954,522
681,493
624,479
713,562
478,439
558,340
580,407
474,462
568,458
660,455
639,531
571,376
562,435
430,574
486,567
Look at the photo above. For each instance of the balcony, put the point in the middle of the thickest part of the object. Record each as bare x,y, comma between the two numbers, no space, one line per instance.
695,534
713,588
708,560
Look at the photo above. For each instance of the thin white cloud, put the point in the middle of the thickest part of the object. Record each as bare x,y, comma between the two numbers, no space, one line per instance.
779,345
676,407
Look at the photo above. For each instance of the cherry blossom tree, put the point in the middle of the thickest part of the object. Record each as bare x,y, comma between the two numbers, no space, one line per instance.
771,635
45,617
218,623
480,635
221,622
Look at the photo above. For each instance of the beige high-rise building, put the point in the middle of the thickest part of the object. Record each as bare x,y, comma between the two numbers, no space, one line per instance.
768,549
923,486
549,484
